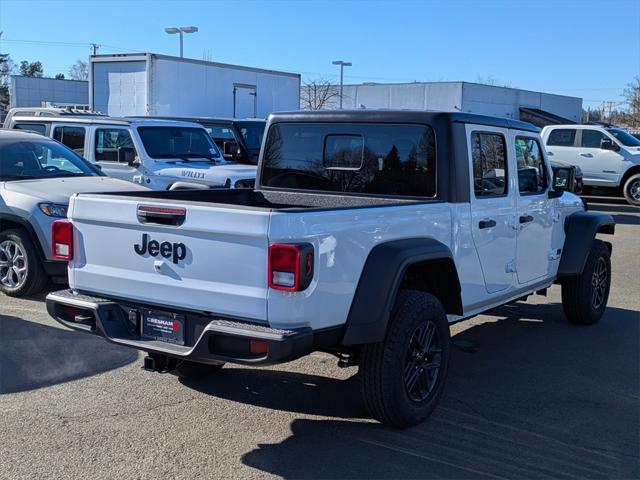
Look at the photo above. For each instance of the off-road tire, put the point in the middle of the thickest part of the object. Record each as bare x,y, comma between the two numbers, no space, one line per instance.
383,365
193,370
631,190
36,278
578,291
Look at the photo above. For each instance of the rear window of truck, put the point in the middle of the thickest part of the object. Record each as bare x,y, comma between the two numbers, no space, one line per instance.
374,159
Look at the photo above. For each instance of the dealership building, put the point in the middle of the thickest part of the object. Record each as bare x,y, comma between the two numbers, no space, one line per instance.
44,92
538,108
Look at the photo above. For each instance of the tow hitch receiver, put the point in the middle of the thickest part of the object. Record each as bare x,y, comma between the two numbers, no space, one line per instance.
159,363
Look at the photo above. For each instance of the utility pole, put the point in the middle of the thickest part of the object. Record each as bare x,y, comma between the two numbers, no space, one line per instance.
342,65
95,47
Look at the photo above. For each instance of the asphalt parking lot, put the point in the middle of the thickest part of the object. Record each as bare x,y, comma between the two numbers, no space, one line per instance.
534,397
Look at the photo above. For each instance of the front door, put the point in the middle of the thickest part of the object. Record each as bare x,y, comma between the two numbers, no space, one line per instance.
599,166
535,213
492,205
112,150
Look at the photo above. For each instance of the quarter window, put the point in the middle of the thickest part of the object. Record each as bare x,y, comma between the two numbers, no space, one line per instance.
532,173
32,127
562,137
591,139
489,164
72,137
109,141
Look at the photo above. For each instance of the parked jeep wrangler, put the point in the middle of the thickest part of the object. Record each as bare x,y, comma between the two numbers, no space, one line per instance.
367,234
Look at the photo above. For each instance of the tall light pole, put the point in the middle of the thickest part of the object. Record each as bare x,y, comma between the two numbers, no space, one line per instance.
342,64
181,31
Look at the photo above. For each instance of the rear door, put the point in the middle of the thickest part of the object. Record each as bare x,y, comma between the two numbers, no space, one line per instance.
71,135
492,205
245,103
561,144
171,254
535,213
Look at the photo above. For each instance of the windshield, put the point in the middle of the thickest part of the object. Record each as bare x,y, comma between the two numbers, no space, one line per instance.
252,132
186,143
27,159
624,138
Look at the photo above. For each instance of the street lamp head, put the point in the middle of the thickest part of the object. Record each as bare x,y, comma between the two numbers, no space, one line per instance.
171,30
189,29
342,62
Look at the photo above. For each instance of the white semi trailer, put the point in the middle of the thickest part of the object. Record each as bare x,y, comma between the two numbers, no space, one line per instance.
160,85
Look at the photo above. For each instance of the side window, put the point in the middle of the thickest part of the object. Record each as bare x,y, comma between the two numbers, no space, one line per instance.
109,141
40,128
562,137
532,173
72,137
591,138
489,164
220,135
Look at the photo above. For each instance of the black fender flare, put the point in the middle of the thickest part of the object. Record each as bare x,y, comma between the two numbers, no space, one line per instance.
380,281
580,229
27,227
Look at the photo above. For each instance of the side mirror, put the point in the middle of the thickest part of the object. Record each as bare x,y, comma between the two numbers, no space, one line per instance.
562,181
128,155
608,144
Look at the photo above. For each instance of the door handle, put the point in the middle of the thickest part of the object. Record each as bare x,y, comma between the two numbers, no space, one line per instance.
549,154
588,155
486,223
526,218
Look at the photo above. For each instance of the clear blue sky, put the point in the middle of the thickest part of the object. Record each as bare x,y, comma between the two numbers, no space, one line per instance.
589,49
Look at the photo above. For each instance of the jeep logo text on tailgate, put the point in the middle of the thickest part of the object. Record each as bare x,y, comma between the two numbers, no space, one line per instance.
175,251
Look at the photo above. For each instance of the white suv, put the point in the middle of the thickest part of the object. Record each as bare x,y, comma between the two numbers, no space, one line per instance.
608,157
159,154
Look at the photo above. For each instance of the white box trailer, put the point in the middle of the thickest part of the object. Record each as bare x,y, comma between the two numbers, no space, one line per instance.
160,85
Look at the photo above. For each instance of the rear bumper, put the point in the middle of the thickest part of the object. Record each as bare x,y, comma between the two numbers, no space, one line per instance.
208,339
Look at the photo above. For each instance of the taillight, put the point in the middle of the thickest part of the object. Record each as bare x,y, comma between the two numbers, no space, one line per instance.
62,240
290,266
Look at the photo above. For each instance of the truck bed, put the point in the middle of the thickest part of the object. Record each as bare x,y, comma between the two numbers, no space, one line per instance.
270,199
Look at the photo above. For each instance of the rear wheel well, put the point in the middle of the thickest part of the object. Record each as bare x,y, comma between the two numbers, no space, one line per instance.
632,171
437,277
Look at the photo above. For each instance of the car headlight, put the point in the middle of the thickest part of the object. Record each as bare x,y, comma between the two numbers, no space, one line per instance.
54,210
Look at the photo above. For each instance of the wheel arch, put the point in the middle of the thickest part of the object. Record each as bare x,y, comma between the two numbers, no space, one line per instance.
629,173
580,229
8,222
418,263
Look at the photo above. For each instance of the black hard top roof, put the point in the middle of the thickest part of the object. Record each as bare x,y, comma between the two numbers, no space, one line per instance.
399,116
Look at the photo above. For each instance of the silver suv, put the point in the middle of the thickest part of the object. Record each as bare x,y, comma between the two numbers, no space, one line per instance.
37,177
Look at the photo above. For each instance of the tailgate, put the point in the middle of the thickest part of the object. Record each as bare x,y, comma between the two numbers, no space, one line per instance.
170,253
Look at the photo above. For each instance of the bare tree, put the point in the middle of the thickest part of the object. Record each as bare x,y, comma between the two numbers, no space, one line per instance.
632,96
319,94
492,81
79,70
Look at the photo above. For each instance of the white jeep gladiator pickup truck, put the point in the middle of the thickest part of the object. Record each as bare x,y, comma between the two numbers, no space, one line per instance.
366,235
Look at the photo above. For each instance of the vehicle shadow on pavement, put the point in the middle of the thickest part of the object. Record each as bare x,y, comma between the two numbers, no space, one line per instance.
286,391
538,397
33,355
